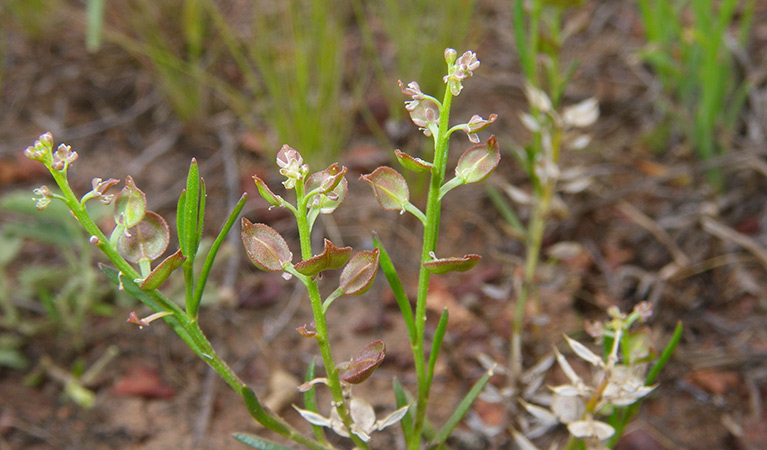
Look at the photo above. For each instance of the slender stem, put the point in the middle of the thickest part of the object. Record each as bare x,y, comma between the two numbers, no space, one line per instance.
431,232
334,382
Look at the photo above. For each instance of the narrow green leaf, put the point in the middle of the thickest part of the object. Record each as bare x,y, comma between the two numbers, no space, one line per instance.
665,355
461,409
201,211
191,209
396,286
180,228
436,344
257,442
262,416
193,307
403,398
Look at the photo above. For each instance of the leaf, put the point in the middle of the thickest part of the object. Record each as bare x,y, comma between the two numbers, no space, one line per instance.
257,442
159,274
396,286
130,205
364,363
146,241
417,165
193,209
478,162
453,264
331,258
359,273
439,334
389,187
265,247
403,398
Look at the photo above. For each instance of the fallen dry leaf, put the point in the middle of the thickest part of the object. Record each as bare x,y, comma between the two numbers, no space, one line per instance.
142,382
713,381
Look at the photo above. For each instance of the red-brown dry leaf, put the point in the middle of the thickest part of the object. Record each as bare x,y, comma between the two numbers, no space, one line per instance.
492,414
142,381
713,381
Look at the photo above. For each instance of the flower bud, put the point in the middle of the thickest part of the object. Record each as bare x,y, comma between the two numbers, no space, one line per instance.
450,55
45,197
63,157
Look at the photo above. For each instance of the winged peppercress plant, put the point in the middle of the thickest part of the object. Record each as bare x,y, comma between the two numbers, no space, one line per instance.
141,237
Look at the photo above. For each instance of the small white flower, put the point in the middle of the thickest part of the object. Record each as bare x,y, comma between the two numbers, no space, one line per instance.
363,419
590,428
537,98
581,114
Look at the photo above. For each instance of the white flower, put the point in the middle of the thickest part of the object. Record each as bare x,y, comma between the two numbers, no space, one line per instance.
363,419
581,114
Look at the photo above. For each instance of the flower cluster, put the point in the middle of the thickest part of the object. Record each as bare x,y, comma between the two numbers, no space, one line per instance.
459,69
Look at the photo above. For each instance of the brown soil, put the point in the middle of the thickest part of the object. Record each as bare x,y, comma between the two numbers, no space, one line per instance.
641,224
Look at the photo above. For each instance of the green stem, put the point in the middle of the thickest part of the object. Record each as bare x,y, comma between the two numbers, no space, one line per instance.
334,382
533,242
431,232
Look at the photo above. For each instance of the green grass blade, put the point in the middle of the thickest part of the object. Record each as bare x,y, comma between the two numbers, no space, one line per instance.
396,286
462,409
95,12
257,442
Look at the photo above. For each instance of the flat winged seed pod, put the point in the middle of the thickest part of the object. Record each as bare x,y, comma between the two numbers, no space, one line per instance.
146,241
265,247
359,273
478,162
331,258
412,163
159,274
266,193
364,363
130,205
453,264
389,187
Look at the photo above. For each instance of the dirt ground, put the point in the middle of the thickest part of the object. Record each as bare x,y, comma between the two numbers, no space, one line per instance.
648,226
